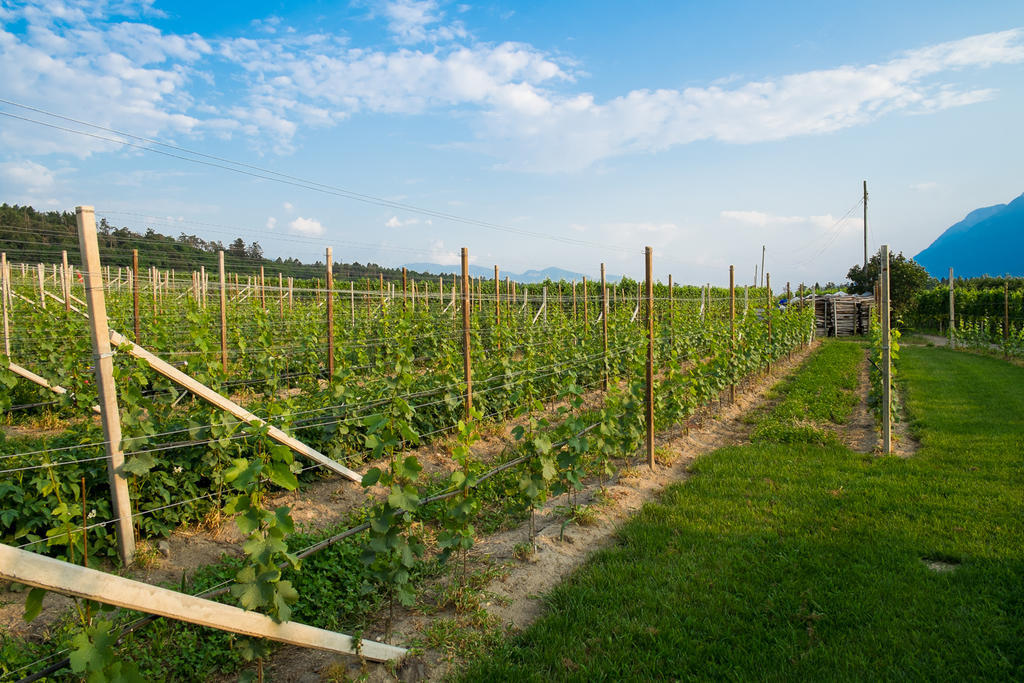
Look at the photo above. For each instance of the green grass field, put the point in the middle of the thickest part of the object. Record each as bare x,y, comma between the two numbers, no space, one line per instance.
796,561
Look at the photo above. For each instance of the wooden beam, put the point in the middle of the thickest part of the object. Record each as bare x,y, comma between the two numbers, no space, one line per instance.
31,569
41,381
224,403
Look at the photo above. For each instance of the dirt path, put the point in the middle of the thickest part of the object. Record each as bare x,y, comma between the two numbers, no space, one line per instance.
516,594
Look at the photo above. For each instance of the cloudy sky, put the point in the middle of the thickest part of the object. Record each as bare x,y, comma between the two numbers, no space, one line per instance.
535,134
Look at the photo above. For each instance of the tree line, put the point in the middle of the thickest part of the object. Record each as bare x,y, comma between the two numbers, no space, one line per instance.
31,236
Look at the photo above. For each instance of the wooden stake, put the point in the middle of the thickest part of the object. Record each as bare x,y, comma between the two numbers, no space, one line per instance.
330,315
671,332
648,253
586,315
467,364
5,295
280,293
352,300
497,305
223,313
65,280
952,316
768,314
404,295
604,327
110,416
42,289
732,325
887,352
1006,317
263,285
135,292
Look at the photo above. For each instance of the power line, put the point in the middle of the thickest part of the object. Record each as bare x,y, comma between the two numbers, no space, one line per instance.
275,176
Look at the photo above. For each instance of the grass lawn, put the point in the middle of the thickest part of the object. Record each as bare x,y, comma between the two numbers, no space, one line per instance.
800,561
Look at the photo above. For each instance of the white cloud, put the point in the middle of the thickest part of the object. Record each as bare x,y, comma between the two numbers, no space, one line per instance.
577,227
28,176
271,223
269,85
288,206
396,222
576,130
924,186
759,218
442,256
306,226
413,21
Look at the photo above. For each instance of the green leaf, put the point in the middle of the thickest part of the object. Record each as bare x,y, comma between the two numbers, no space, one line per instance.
283,518
139,464
242,473
281,474
371,477
33,604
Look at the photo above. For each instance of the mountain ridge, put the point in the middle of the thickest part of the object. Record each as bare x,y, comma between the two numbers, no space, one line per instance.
988,241
531,276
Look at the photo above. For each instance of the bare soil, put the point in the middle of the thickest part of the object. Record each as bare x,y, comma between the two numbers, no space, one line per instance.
515,597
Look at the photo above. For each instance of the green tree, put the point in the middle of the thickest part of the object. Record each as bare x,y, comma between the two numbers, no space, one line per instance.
906,279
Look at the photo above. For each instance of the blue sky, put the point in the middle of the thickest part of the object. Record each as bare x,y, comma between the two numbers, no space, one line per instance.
702,129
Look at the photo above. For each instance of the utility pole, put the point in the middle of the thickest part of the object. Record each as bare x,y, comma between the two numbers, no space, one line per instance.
762,265
865,226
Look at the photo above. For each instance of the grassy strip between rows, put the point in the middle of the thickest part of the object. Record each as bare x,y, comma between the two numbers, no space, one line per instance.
823,392
802,561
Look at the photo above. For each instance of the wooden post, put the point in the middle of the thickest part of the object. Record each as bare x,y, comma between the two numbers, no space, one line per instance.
5,295
884,318
352,300
586,315
670,300
768,314
263,287
952,316
291,285
404,294
202,286
467,364
41,270
1006,317
104,365
574,300
865,227
497,304
648,252
66,280
380,277
223,313
732,325
604,327
135,291
330,314
280,293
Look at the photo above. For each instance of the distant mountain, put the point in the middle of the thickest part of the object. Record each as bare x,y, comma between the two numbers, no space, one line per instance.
988,241
529,277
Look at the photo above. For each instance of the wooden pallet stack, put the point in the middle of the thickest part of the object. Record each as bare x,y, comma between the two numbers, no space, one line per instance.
842,315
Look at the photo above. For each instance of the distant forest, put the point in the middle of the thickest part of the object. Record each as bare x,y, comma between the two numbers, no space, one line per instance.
30,236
